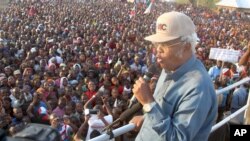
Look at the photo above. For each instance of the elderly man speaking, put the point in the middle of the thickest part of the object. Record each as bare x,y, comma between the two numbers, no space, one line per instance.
183,106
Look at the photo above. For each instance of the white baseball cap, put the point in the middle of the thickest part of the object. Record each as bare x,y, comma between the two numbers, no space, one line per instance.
170,26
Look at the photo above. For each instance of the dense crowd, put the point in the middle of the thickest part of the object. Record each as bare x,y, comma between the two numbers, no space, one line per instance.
60,60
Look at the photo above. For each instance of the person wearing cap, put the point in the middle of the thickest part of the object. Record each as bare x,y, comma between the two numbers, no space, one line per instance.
17,74
183,106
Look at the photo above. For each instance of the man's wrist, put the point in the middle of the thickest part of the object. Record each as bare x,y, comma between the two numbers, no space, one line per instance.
148,107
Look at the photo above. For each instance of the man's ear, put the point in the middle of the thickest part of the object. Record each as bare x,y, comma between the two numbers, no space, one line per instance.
187,47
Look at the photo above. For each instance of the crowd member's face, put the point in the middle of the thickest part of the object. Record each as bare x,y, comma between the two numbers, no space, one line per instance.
114,93
29,72
11,80
82,58
4,81
79,107
106,77
16,92
6,104
84,98
233,68
91,86
64,82
114,81
61,103
17,76
77,70
46,85
36,83
53,103
7,72
137,60
38,96
218,63
55,122
68,110
3,93
18,113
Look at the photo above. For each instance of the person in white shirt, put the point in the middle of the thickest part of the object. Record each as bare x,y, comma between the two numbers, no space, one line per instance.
98,122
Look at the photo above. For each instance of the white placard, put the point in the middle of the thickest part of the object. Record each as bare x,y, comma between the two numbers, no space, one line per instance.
226,55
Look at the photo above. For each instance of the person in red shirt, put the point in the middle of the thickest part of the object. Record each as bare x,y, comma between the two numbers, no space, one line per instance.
91,89
115,83
32,11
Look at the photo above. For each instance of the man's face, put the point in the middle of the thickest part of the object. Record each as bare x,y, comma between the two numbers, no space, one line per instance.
11,80
39,96
7,71
62,103
16,92
91,86
79,107
54,122
169,55
68,110
218,63
115,93
114,81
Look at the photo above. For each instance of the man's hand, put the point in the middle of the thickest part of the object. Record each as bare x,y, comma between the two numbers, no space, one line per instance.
142,91
137,120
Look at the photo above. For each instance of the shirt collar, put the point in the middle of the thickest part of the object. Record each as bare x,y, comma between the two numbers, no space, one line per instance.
181,70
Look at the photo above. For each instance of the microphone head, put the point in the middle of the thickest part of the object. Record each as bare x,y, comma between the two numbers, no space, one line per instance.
147,76
152,70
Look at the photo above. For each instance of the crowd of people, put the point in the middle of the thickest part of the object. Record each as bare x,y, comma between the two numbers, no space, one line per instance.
63,60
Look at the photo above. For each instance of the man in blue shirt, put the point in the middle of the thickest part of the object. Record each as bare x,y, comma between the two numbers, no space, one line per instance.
183,106
239,99
215,71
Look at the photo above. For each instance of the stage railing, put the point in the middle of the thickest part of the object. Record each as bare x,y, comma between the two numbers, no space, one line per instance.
131,126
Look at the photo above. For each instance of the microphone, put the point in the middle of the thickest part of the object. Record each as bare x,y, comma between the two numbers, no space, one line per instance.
126,115
147,77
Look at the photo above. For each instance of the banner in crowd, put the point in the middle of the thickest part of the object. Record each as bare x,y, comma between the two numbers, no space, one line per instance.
226,55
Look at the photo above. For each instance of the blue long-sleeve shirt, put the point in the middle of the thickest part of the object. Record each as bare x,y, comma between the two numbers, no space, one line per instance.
185,110
239,98
214,72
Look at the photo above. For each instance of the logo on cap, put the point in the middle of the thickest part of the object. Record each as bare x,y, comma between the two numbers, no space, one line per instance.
161,26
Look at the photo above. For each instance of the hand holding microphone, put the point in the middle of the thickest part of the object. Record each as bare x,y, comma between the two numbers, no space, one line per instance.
146,78
142,91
